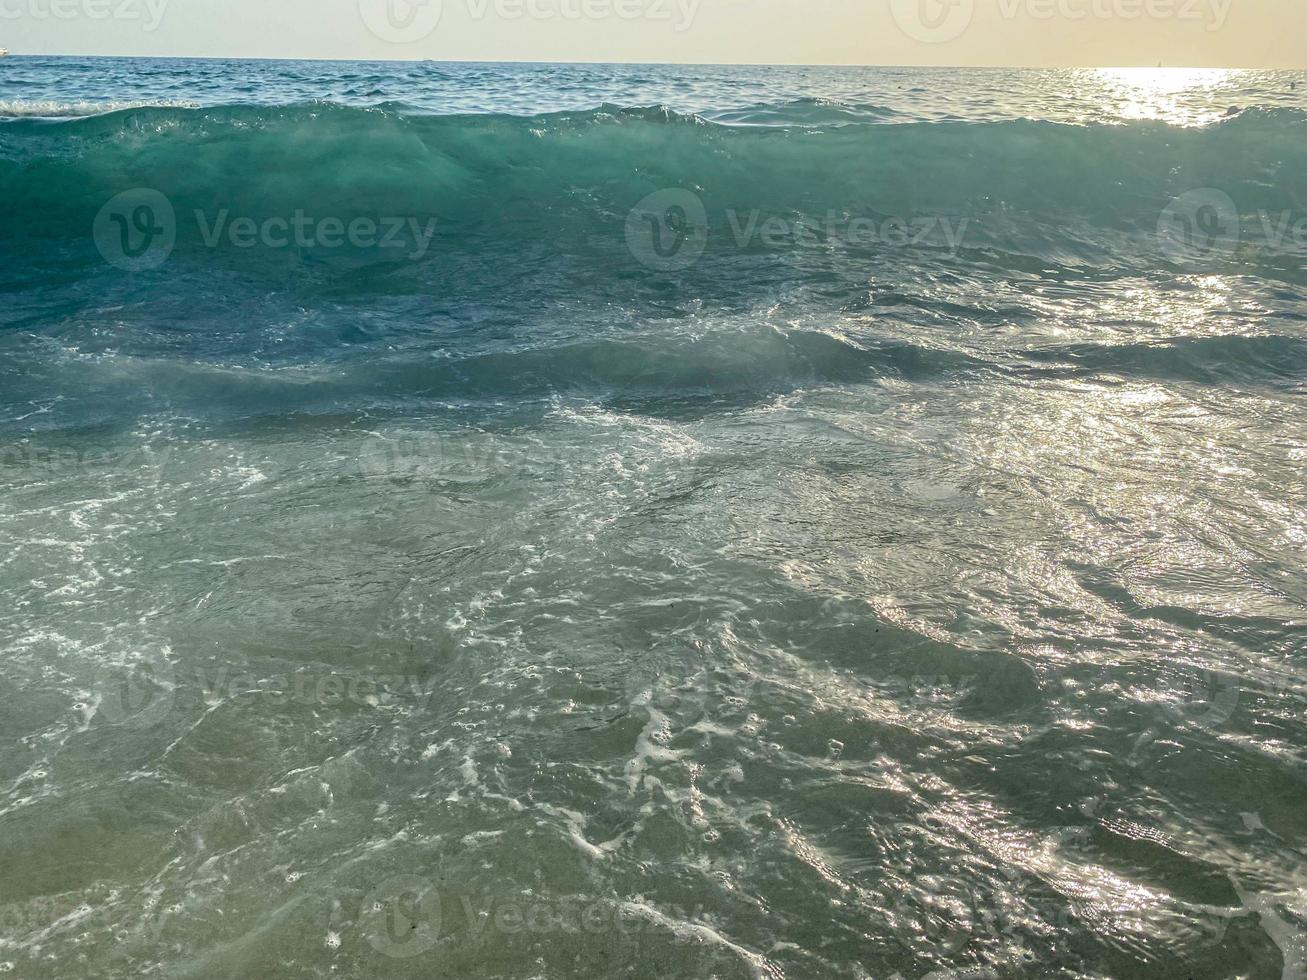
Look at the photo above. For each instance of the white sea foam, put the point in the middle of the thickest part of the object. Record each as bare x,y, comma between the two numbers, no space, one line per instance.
52,109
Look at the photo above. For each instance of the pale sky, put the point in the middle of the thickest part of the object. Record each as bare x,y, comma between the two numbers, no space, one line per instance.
1198,33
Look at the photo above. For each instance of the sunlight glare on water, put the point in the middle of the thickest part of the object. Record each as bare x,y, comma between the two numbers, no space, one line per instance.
1180,96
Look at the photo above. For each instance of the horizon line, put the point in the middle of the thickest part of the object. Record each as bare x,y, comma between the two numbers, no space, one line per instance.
664,64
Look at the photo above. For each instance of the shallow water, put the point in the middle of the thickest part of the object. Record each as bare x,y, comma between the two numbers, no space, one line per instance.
746,522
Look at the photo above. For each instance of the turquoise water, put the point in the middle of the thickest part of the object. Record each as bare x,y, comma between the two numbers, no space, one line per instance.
542,521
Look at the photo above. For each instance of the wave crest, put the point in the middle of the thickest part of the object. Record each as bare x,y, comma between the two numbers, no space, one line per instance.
1070,193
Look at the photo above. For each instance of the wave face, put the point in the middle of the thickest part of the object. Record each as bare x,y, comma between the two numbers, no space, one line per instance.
748,522
1087,194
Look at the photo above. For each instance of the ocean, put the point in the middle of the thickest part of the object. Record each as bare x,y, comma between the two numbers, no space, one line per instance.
469,520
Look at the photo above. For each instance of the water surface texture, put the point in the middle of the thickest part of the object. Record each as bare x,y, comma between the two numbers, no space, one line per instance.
550,521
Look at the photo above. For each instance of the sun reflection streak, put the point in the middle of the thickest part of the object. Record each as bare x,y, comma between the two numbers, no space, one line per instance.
1182,96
